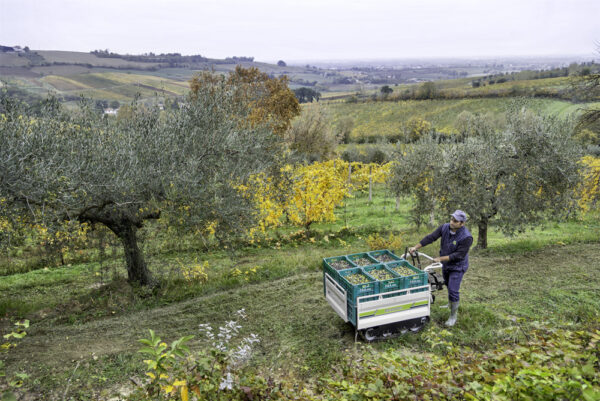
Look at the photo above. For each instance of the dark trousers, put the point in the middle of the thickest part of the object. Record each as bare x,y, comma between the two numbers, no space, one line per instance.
452,278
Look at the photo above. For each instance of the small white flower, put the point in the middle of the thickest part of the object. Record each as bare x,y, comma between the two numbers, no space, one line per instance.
251,339
226,382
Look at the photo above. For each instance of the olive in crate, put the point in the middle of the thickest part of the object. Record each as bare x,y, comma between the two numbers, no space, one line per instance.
403,271
384,258
357,278
340,265
381,274
363,261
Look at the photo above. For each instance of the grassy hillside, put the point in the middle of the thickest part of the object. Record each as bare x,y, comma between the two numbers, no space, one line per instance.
91,59
374,120
464,88
86,319
115,85
12,60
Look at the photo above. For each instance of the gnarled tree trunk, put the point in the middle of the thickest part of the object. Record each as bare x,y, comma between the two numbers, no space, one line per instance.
137,271
125,228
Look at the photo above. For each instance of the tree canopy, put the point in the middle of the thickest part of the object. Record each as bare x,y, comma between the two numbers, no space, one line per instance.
180,163
307,95
514,178
311,135
268,100
386,90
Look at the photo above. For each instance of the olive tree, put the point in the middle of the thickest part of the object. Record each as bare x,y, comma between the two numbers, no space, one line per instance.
412,174
587,87
514,178
122,172
310,135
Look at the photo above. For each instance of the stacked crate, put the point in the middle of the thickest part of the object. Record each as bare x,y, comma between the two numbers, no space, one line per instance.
371,273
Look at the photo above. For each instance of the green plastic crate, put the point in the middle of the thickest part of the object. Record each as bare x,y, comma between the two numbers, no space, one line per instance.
384,252
392,284
418,279
354,291
332,271
351,309
328,262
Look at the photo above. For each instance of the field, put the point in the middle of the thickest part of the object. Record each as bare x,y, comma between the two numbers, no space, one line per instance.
115,86
85,318
384,119
87,58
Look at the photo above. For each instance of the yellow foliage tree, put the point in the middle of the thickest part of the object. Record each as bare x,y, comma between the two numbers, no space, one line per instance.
416,127
362,172
308,194
589,190
267,193
317,190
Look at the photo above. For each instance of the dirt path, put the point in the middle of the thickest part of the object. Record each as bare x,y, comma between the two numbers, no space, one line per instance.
66,343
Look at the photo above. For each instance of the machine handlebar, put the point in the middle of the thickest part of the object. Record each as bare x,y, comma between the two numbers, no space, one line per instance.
435,265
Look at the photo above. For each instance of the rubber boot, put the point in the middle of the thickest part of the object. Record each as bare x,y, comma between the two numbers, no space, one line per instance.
453,314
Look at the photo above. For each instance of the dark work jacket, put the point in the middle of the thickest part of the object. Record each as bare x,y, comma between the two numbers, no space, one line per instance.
454,245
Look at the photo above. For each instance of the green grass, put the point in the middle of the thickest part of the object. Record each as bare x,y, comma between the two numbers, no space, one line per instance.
299,332
91,321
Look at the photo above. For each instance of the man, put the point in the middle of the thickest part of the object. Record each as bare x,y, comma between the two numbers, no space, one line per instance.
454,255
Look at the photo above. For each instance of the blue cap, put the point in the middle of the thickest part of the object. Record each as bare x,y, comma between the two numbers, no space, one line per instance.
459,215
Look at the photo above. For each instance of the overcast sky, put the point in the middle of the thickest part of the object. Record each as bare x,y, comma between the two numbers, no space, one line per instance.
271,30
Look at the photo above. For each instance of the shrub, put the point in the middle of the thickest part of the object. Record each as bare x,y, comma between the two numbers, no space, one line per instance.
12,381
214,373
370,154
392,242
587,137
552,364
416,128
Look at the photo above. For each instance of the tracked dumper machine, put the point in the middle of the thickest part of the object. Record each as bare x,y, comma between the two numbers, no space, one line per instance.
380,293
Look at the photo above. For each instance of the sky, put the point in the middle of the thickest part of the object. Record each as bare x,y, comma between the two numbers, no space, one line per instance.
272,30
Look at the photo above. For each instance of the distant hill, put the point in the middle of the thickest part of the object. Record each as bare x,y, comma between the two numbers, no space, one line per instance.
106,76
110,76
31,60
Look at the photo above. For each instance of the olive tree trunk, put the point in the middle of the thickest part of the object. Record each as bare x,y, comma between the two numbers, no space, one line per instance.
126,230
482,234
137,271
